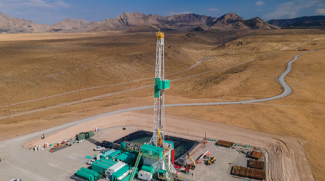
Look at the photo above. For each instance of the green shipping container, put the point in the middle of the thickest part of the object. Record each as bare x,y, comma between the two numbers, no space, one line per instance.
99,167
120,172
81,136
85,175
104,155
90,134
127,157
123,146
108,162
152,151
114,154
149,169
127,178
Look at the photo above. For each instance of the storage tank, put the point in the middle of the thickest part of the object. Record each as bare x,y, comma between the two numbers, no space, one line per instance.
85,175
95,174
115,167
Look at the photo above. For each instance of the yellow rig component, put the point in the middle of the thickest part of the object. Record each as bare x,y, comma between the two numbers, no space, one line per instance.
160,35
159,137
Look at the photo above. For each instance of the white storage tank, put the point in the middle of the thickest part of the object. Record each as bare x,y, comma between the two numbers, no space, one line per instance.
115,168
143,175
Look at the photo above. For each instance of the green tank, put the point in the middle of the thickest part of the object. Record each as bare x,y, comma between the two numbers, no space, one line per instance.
85,175
95,174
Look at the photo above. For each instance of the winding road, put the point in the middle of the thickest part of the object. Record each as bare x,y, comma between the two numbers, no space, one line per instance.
287,91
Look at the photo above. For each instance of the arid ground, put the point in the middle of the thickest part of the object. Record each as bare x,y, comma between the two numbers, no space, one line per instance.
61,78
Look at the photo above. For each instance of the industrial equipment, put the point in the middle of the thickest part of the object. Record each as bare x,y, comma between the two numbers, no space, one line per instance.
193,162
160,85
212,160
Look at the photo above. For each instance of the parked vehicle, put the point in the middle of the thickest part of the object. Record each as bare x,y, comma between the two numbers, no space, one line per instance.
90,162
99,148
15,179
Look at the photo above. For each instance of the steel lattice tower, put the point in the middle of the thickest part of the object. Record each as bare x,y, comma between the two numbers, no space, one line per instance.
160,85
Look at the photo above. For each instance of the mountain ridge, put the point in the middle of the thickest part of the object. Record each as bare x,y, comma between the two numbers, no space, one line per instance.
132,22
300,21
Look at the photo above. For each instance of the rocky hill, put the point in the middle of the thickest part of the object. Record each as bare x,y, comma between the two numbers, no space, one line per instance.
229,22
302,21
137,22
15,25
258,23
71,24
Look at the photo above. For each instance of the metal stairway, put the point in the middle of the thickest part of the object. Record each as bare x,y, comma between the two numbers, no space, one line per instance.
135,166
172,169
170,176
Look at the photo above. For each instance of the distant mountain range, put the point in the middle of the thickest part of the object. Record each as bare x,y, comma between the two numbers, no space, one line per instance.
306,21
135,22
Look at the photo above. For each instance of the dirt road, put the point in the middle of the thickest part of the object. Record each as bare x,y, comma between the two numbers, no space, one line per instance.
286,92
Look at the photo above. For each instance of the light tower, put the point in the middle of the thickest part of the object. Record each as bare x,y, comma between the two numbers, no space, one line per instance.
160,85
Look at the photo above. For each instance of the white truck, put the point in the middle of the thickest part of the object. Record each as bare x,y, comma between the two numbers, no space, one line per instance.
99,148
90,162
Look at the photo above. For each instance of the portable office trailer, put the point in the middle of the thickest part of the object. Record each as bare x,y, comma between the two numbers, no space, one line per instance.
143,175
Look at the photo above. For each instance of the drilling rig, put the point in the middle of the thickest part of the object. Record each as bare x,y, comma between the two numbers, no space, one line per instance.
158,153
160,86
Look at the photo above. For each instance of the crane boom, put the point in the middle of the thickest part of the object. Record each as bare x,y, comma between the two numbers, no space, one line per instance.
160,85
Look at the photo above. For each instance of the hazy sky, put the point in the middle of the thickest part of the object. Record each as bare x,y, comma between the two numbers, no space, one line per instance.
53,11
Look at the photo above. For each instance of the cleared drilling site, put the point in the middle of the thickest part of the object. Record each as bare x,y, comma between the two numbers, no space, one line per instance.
163,106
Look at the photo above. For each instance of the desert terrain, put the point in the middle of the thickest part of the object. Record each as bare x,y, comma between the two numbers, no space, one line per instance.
52,80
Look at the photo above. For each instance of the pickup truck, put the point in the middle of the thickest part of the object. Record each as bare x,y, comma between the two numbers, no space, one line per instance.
90,162
99,148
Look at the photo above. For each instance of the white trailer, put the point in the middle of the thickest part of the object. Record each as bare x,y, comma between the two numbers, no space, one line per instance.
115,168
143,175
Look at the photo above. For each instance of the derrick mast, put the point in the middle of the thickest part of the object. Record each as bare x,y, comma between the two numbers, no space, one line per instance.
160,85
